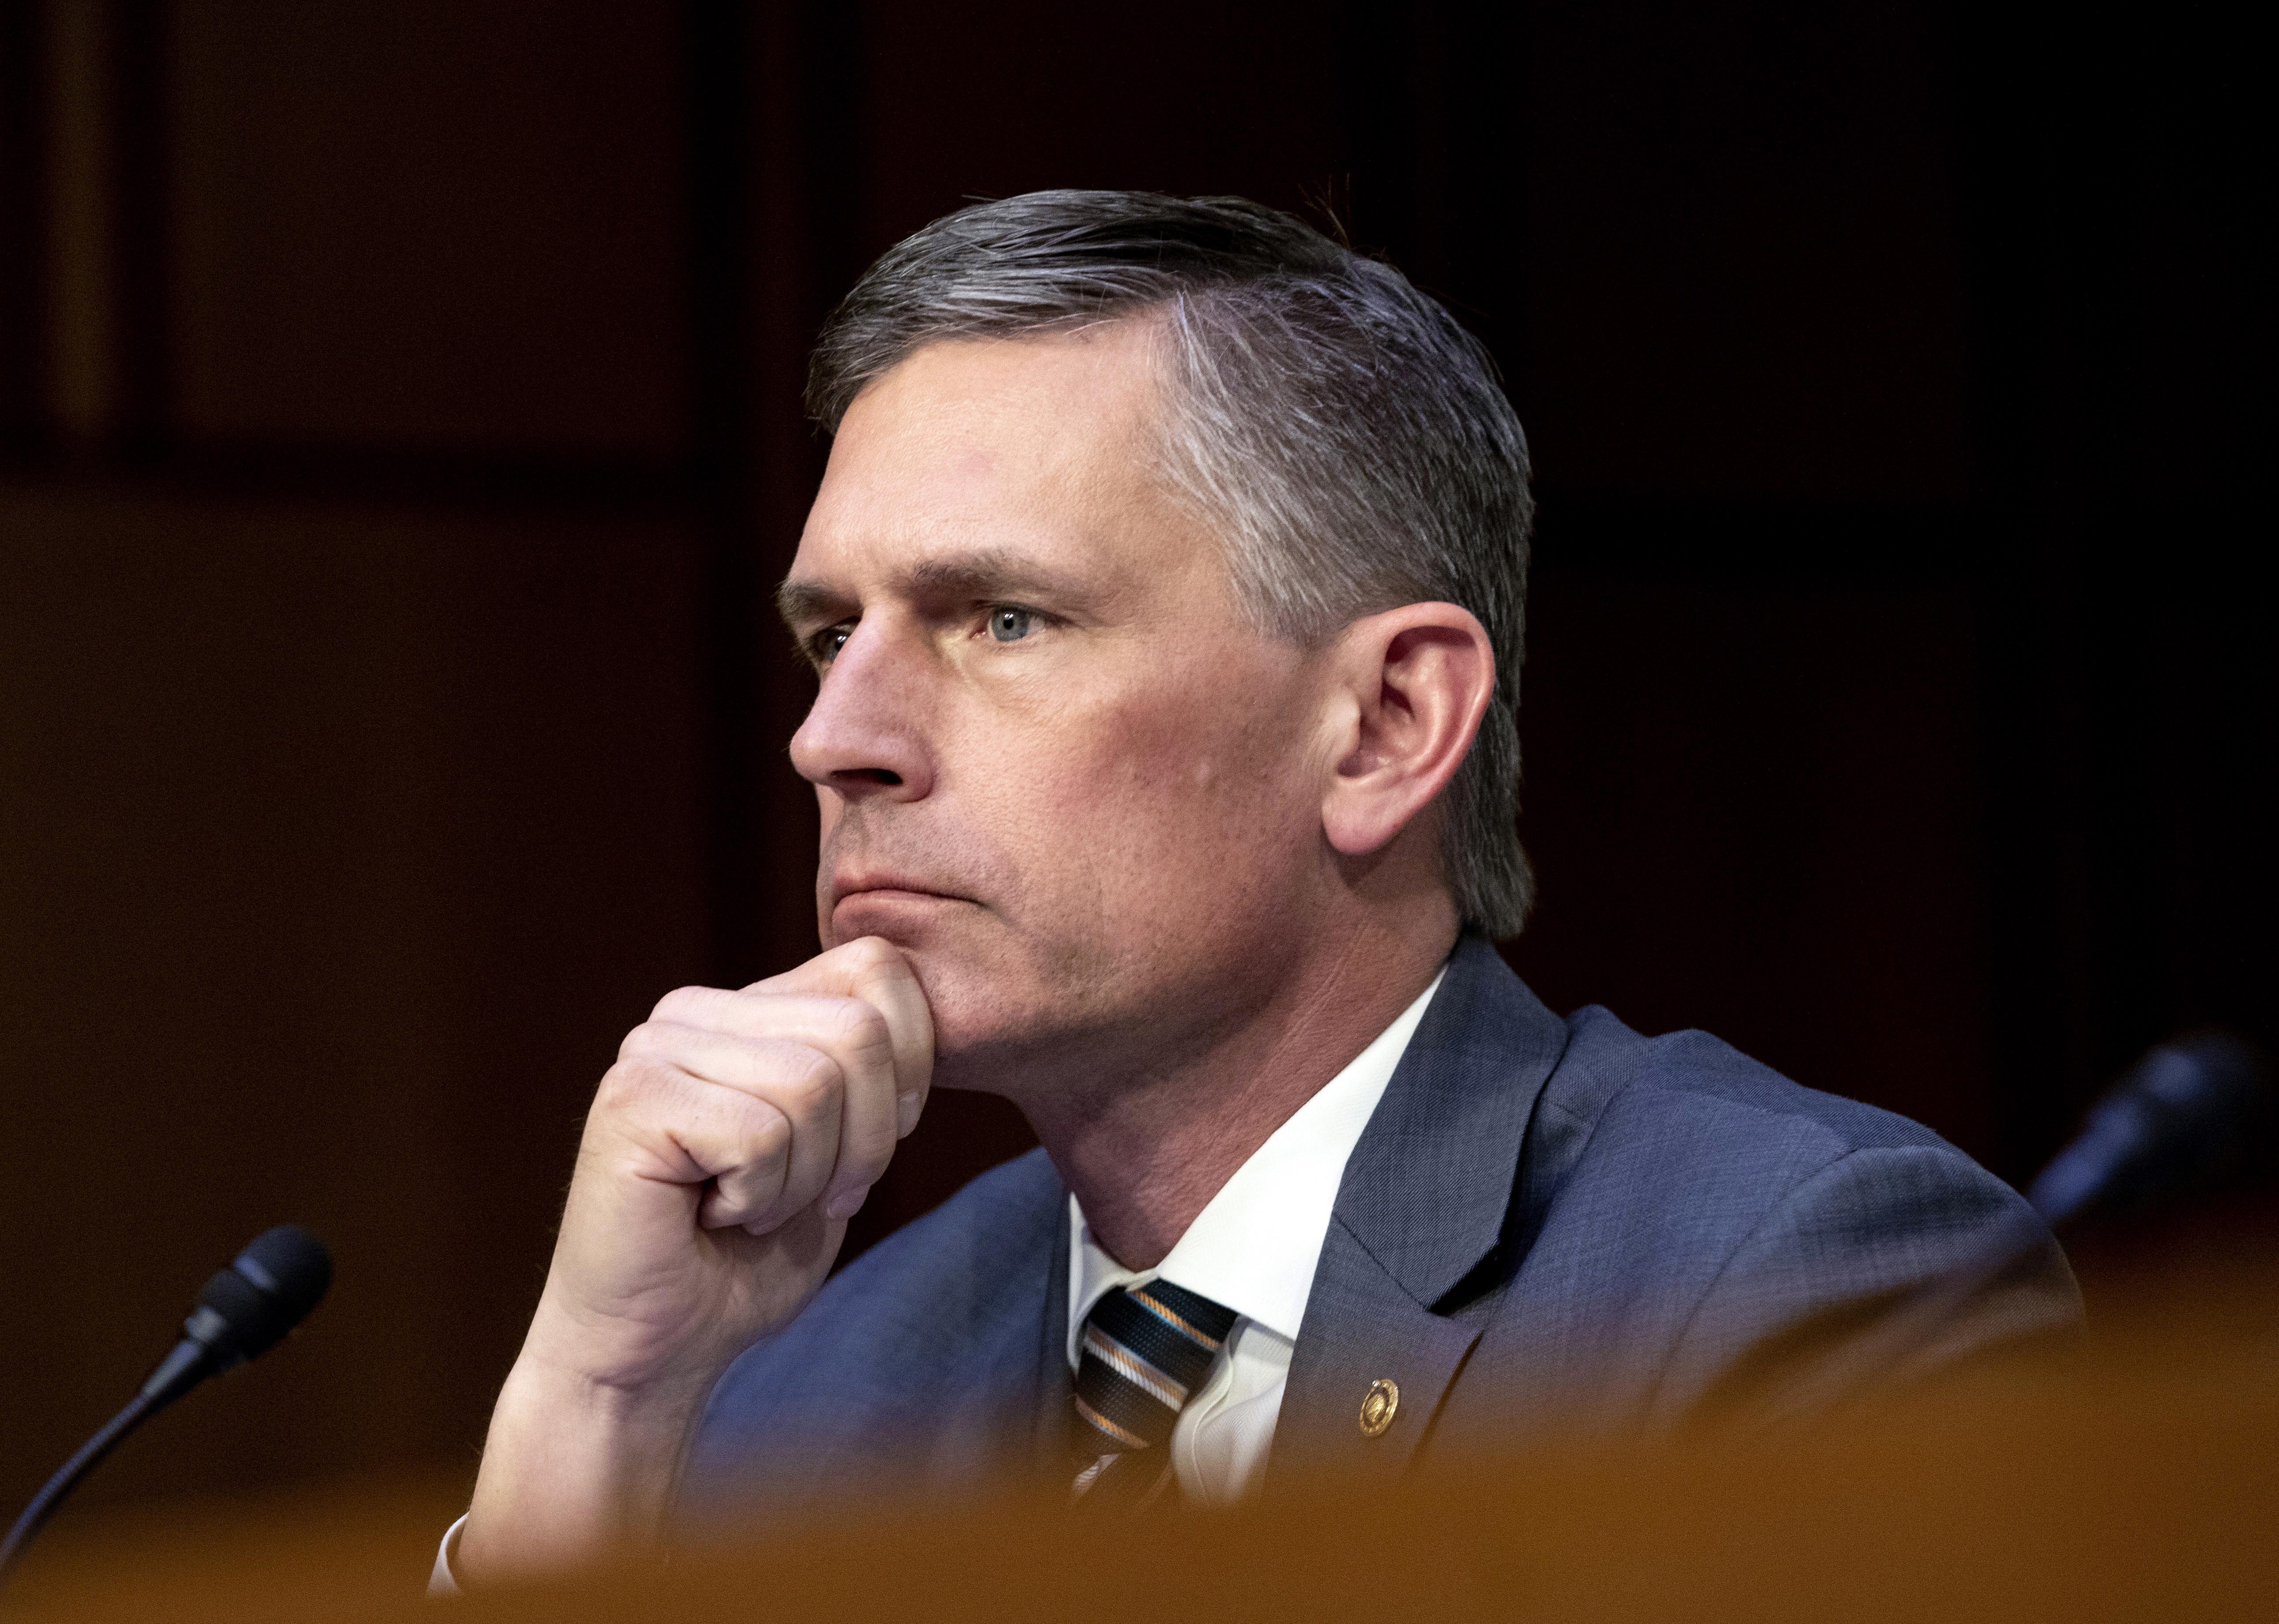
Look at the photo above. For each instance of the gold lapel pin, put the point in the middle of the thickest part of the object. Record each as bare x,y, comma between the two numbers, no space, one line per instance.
1378,1408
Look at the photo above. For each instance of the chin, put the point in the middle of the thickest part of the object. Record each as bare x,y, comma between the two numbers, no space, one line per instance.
1006,1003
988,1028
966,968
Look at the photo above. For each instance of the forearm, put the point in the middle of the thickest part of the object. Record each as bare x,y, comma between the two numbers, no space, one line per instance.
573,1470
699,1221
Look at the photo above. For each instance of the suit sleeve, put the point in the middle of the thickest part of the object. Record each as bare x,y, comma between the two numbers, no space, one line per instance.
1885,1266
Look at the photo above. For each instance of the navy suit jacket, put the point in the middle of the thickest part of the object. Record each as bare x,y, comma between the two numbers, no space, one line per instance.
1549,1226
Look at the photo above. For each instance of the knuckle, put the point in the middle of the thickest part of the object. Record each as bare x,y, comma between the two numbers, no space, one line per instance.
628,1083
682,1005
810,1077
861,1027
766,1137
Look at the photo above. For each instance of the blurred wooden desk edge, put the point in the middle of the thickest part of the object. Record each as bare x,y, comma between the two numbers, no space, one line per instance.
2142,1481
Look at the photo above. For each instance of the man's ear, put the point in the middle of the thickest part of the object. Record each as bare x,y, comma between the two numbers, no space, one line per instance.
1417,679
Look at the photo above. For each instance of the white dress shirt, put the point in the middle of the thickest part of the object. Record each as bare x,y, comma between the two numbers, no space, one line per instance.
1252,1249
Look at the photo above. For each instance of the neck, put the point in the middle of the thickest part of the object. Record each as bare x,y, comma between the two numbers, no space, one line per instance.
1144,1147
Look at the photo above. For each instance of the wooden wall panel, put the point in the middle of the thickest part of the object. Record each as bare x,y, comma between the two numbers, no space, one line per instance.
337,851
1745,257
360,780
429,225
1202,98
1750,810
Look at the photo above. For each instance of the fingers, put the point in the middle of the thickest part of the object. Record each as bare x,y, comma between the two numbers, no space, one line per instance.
859,1012
834,1161
800,1079
683,1130
874,971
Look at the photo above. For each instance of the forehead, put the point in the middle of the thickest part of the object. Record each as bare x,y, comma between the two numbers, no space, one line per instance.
1043,447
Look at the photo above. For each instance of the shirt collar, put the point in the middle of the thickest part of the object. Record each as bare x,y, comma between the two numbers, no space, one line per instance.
1255,1246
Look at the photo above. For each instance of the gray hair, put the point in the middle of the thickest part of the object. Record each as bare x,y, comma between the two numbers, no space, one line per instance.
1349,440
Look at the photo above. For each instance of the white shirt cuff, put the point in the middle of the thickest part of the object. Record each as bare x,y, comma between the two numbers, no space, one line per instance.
441,1584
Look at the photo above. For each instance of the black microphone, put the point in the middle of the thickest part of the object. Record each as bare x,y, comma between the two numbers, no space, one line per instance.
241,1313
2181,1111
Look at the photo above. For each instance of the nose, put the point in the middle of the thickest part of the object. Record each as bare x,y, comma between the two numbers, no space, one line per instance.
864,735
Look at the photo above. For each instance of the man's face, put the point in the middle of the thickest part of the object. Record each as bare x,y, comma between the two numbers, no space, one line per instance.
1056,764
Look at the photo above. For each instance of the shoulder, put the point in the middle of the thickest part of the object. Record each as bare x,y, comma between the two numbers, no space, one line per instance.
1614,1077
1721,1152
1716,1202
1686,1166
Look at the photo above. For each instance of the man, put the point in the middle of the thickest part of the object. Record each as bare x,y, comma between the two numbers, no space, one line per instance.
1165,590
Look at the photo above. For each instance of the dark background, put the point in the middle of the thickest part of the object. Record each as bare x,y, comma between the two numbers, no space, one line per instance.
400,408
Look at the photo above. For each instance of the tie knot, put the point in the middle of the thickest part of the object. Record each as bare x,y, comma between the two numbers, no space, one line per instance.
1144,1354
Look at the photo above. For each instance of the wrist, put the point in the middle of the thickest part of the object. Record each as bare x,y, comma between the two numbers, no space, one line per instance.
575,1468
622,1364
561,1364
656,1414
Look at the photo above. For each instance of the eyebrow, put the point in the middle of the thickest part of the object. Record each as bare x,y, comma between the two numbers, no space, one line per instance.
806,603
988,573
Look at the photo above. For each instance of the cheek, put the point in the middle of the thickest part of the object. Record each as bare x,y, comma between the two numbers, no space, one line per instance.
1177,794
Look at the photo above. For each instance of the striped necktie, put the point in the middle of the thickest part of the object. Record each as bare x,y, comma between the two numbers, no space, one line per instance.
1145,1353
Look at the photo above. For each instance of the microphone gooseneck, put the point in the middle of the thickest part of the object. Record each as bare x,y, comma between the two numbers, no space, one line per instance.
241,1314
2177,1112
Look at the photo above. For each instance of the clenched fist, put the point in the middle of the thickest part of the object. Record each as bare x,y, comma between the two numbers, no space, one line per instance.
723,1156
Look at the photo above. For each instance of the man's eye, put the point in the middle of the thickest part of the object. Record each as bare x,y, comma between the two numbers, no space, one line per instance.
827,644
1010,625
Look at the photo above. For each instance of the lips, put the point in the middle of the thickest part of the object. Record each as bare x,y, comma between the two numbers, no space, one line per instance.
888,887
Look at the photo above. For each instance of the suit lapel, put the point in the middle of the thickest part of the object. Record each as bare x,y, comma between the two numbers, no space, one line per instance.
1054,1402
1363,1336
1423,1204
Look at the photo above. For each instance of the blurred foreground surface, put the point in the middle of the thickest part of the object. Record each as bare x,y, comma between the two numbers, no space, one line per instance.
2137,1480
